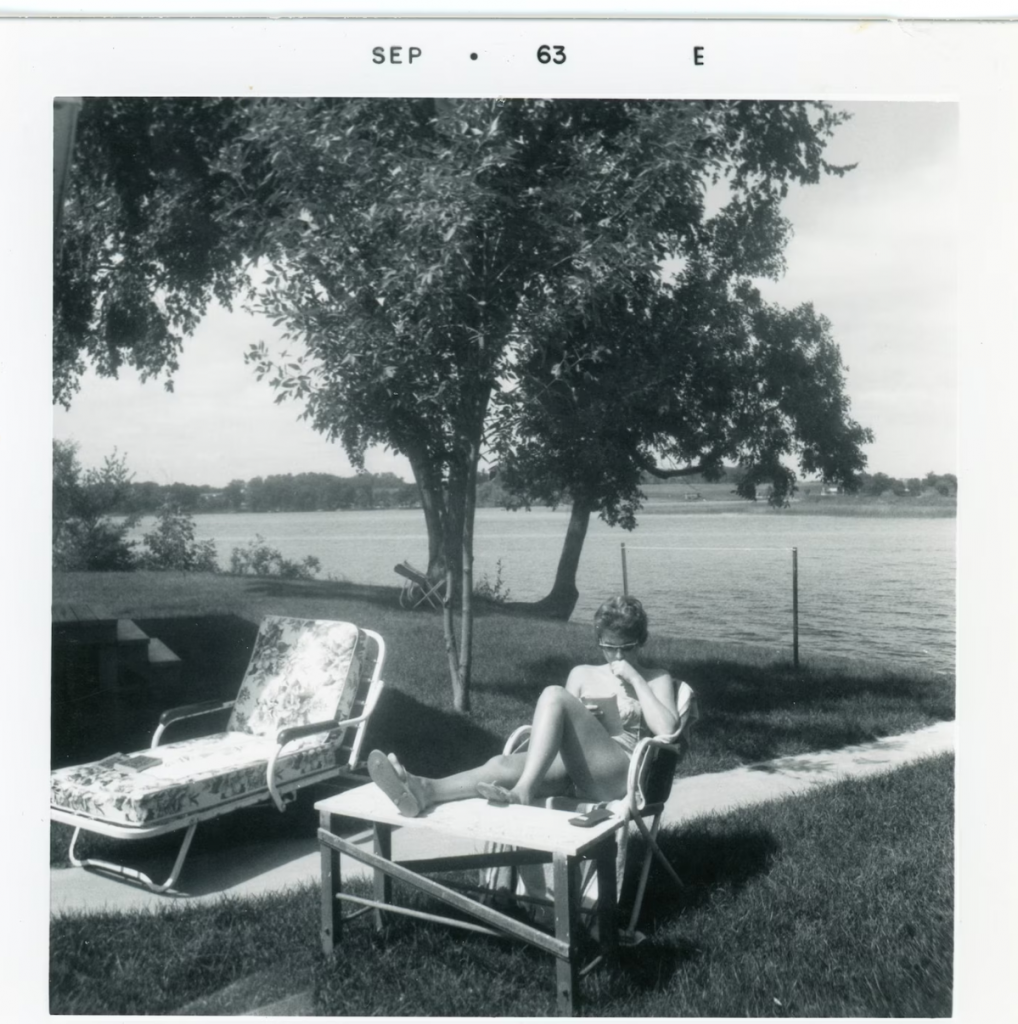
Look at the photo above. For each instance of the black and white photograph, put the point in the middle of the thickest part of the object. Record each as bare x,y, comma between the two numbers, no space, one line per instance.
505,553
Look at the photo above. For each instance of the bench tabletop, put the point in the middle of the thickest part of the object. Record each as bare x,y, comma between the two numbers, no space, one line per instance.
65,613
533,828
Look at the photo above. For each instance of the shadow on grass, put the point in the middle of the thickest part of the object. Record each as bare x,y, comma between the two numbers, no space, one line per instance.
529,678
273,586
428,740
378,595
707,862
746,688
753,713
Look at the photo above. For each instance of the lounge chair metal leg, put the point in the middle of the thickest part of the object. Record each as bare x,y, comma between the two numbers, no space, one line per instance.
134,873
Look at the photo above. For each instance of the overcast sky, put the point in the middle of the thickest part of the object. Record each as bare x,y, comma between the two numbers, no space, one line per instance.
874,251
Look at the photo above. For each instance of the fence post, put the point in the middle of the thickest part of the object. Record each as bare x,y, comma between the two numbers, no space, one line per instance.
795,607
625,579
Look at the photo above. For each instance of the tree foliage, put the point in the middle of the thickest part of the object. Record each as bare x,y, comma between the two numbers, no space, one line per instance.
461,275
144,246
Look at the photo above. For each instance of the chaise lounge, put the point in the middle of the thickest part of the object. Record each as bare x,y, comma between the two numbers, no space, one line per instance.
299,718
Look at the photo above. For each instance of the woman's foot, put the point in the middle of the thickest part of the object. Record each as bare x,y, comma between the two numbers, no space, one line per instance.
402,788
496,794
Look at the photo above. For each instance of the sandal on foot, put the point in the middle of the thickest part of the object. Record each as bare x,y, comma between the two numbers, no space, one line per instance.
384,775
494,793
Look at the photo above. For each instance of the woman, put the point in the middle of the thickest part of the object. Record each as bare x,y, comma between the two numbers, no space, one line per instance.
581,739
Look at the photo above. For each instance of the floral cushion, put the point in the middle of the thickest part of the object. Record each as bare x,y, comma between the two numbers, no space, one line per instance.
193,776
301,671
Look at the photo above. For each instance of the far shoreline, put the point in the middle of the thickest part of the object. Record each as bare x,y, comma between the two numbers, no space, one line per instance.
847,506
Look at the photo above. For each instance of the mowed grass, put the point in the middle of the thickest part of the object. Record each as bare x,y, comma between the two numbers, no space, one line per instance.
755,706
834,904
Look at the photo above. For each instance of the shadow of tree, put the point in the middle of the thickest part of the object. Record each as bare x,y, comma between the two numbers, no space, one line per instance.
754,712
707,857
88,723
428,740
529,677
274,586
746,688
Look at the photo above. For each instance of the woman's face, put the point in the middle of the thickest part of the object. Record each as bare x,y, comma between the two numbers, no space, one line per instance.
618,645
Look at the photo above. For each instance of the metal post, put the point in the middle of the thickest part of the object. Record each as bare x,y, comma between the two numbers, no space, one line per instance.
795,607
625,578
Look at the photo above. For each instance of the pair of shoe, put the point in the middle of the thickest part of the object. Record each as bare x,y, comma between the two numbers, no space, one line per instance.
496,794
394,781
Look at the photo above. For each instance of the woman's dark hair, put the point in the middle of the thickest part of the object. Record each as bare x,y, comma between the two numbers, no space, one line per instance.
623,614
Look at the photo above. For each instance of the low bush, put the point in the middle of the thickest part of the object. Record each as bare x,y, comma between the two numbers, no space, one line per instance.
85,536
258,559
172,545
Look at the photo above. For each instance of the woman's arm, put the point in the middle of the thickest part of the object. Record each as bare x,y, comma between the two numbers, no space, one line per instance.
657,697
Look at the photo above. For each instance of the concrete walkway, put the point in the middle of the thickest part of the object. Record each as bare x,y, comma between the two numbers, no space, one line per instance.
273,867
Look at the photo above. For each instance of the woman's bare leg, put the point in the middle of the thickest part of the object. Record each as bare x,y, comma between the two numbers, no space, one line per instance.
566,744
565,731
503,770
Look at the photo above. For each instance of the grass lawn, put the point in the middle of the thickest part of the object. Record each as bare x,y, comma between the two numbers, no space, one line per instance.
834,904
838,904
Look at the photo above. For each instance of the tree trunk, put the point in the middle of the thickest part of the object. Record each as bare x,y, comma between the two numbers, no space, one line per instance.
430,494
461,682
559,604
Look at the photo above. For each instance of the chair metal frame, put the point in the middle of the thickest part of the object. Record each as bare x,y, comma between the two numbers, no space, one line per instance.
417,588
279,794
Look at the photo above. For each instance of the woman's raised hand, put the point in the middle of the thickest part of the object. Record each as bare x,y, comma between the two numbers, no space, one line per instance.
621,669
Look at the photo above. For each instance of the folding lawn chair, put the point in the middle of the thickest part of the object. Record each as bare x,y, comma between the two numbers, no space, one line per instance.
417,588
299,718
648,786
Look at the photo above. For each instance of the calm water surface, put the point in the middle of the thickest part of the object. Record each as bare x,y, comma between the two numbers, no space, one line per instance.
868,587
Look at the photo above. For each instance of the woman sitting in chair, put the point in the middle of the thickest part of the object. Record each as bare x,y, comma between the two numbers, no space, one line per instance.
582,734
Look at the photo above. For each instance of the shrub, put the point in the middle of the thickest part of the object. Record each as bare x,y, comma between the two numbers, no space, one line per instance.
495,591
85,537
171,545
258,559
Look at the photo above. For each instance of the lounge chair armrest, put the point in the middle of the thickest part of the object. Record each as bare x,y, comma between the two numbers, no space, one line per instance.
205,707
296,732
517,740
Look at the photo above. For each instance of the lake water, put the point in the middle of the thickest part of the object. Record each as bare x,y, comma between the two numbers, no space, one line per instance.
869,587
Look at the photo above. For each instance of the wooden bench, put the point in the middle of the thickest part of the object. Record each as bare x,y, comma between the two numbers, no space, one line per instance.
118,644
146,656
510,835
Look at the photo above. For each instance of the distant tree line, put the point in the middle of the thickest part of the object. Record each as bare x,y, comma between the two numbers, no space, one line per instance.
870,484
290,492
945,484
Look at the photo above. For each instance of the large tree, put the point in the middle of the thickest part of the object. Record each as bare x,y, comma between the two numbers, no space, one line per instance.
701,376
418,253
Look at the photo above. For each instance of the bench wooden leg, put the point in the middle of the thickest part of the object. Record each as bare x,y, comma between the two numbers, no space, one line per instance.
567,908
383,883
607,906
332,918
